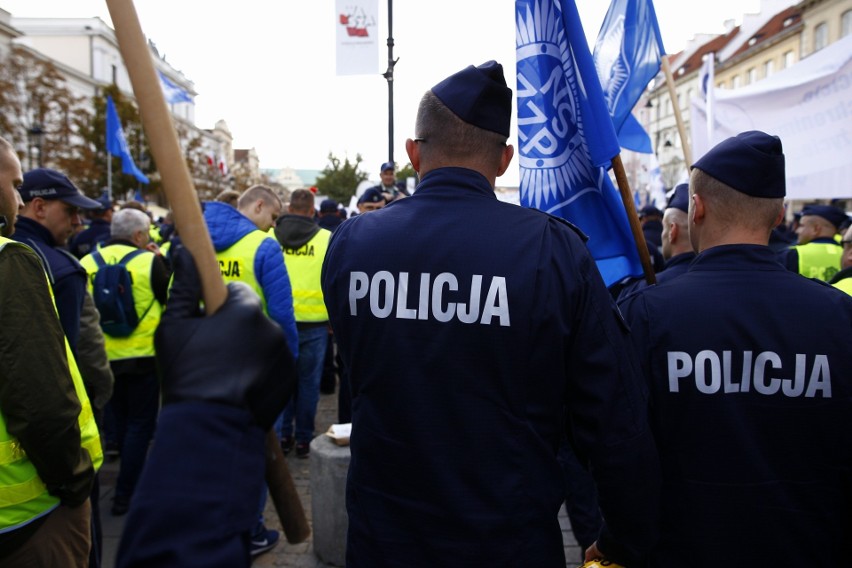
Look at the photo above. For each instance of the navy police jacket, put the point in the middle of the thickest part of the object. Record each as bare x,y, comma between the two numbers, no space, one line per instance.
750,371
196,501
66,276
467,326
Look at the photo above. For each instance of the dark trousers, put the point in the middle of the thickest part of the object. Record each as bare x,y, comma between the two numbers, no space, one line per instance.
135,404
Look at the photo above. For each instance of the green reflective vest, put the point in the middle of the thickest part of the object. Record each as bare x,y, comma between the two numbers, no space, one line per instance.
23,495
819,260
140,343
304,266
237,262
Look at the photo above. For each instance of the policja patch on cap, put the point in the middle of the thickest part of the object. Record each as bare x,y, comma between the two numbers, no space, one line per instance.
679,198
479,96
831,214
751,162
50,184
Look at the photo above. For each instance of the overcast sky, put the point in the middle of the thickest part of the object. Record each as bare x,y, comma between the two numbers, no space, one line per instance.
268,67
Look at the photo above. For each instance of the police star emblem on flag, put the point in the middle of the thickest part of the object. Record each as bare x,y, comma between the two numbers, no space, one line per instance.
554,161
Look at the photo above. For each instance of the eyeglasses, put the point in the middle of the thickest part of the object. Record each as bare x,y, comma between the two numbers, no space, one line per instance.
419,139
846,242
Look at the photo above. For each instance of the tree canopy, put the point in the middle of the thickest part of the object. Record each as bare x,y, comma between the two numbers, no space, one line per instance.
339,180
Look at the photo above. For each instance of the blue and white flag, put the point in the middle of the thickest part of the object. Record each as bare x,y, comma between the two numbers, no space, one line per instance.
627,57
173,93
116,143
566,138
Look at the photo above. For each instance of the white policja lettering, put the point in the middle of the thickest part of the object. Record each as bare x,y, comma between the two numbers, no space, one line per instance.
432,299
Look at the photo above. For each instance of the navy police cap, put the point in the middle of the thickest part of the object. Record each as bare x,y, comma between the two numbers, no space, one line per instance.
751,162
328,206
388,166
50,184
479,96
831,214
680,198
372,195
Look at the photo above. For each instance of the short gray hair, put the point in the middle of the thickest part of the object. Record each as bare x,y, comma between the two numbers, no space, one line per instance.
127,221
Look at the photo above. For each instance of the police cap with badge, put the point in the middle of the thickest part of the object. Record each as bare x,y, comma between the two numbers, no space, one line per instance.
372,195
50,184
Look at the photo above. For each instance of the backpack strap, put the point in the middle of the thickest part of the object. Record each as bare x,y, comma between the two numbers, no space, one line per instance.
127,258
130,256
98,258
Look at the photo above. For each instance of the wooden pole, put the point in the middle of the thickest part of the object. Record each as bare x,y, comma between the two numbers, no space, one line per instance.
684,141
633,218
157,122
180,191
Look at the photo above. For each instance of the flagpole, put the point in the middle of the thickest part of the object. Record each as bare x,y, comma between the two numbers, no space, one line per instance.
180,191
109,175
711,82
389,76
633,218
684,141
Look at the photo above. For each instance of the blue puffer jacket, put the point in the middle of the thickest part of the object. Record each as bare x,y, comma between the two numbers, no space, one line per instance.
227,226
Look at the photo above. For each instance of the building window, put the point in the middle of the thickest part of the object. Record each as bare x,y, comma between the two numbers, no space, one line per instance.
751,76
789,59
768,68
820,36
114,75
846,23
736,82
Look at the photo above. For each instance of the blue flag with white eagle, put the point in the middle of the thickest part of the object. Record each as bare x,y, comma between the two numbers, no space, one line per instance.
627,57
566,138
116,143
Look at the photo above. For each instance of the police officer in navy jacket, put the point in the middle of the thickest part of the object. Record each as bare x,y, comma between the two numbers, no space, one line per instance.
465,339
750,371
676,246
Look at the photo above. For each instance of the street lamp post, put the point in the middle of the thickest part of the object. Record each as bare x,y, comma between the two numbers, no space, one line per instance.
35,138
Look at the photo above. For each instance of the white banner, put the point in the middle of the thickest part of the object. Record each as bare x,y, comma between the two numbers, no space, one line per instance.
357,35
808,105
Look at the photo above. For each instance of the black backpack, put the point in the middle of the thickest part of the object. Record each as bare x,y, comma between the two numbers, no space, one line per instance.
112,291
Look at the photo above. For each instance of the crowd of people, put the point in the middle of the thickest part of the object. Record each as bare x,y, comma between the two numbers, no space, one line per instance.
489,375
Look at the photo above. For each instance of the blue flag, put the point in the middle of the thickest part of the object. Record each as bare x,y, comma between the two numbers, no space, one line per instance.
117,144
566,138
173,93
627,56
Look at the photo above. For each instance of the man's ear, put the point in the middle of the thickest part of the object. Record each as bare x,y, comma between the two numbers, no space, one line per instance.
674,232
412,148
698,209
506,159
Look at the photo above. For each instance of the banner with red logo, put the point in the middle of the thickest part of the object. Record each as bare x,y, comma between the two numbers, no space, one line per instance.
357,36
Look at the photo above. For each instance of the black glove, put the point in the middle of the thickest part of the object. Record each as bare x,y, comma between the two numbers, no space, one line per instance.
237,356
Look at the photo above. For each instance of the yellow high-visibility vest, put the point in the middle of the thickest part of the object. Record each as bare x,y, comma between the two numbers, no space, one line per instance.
140,343
23,495
304,265
819,260
237,262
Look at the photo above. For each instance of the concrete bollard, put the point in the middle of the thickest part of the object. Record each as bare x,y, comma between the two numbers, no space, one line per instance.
329,466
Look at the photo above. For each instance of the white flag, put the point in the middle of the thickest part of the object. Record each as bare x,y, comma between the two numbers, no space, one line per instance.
807,105
357,36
